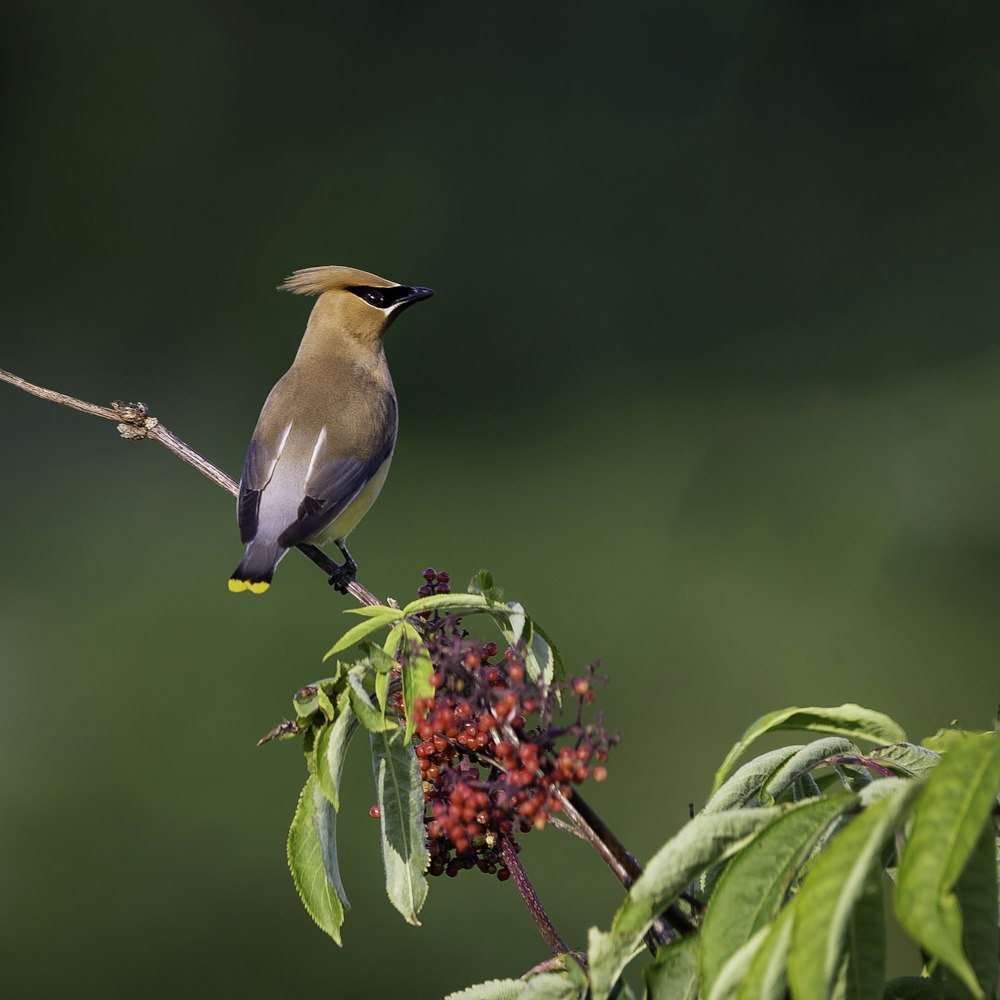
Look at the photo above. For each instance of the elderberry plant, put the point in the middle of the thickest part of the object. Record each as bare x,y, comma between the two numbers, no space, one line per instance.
777,887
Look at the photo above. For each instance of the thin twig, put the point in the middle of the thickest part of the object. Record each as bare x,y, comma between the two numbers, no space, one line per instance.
530,897
134,424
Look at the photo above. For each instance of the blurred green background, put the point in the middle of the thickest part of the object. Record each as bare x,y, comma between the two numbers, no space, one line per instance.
711,383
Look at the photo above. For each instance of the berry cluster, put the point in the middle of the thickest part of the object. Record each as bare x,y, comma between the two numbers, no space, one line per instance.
492,761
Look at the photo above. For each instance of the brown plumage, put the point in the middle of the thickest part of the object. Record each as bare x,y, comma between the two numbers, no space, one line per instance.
324,440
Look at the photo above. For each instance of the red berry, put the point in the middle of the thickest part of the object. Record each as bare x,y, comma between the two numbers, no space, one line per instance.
600,773
375,812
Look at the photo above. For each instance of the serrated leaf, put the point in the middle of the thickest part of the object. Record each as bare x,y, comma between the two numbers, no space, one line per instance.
400,796
482,583
674,973
948,821
705,840
751,890
832,888
747,781
495,989
372,718
848,720
312,858
517,618
331,749
908,758
864,973
551,986
803,761
375,611
765,979
358,632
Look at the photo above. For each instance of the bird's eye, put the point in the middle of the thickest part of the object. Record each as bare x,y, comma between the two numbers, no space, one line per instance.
381,298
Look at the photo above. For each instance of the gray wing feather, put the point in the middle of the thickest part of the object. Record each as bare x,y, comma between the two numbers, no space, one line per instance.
329,491
258,467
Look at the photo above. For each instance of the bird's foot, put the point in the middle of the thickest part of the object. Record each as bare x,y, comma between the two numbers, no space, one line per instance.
343,577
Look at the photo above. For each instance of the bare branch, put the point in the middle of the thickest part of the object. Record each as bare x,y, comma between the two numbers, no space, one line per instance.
134,424
545,926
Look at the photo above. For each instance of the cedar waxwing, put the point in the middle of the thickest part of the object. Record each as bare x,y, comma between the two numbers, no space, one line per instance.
322,446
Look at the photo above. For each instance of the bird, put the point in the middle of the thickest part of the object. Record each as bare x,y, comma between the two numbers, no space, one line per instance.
323,442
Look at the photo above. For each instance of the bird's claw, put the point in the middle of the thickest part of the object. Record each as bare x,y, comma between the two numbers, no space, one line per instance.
342,578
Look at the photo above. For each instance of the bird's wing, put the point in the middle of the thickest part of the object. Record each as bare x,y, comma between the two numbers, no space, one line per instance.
330,487
258,467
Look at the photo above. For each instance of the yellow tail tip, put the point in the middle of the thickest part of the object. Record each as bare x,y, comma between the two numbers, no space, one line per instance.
238,586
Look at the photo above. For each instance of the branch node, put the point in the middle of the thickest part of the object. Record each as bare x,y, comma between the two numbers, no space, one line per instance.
131,413
136,422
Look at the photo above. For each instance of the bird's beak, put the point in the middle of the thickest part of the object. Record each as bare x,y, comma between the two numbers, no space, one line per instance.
416,294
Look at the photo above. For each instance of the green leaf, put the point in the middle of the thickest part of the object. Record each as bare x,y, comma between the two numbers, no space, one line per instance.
359,631
977,898
482,583
312,858
417,670
949,739
751,890
495,989
400,796
803,761
866,942
948,821
736,968
908,758
325,705
331,749
845,720
306,701
766,978
375,611
542,652
832,888
748,780
674,973
702,842
367,714
382,691
551,986
446,602
394,640
379,659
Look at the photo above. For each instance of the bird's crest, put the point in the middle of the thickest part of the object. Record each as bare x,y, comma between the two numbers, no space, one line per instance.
317,280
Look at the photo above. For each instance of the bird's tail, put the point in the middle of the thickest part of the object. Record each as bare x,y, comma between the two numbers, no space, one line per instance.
256,569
